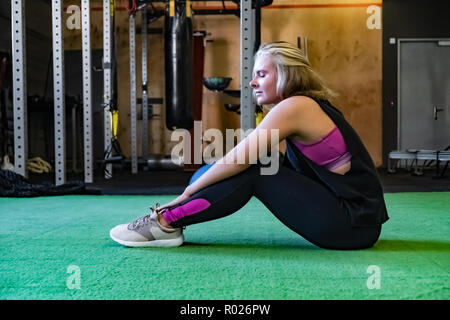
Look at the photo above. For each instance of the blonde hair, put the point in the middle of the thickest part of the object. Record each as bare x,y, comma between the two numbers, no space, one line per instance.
295,75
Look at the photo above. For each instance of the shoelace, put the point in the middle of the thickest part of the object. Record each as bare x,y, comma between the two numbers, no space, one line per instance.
143,220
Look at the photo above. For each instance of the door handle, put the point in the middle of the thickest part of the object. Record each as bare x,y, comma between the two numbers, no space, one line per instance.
435,111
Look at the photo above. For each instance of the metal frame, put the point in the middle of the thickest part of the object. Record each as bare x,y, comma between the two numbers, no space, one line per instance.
107,80
133,98
248,105
87,94
399,41
247,40
19,86
144,104
58,94
20,92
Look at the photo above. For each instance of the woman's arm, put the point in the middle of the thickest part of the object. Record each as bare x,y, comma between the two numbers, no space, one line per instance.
216,173
224,168
282,118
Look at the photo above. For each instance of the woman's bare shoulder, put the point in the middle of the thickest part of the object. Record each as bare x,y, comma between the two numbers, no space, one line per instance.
312,122
302,104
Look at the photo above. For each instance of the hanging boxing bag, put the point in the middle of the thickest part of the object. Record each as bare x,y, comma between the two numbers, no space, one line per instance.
178,65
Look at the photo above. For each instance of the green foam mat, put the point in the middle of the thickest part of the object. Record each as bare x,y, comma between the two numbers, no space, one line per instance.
59,248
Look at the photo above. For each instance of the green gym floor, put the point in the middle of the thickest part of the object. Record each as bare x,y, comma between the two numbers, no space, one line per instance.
59,248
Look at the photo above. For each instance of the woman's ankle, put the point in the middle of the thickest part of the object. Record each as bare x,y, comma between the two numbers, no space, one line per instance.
163,222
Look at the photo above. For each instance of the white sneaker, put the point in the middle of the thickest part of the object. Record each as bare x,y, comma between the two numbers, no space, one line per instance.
147,232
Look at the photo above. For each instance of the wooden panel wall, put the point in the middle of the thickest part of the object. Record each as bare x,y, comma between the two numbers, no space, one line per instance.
341,48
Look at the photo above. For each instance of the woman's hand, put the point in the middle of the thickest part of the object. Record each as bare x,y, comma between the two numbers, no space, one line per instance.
186,194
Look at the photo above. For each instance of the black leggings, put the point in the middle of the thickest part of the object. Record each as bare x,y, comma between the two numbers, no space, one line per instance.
302,204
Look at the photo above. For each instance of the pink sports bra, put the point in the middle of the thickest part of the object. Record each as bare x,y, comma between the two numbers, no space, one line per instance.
330,151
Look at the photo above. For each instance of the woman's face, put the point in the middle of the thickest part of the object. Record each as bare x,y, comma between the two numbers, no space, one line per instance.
264,82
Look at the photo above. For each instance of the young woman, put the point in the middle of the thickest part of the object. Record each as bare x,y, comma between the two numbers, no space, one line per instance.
326,189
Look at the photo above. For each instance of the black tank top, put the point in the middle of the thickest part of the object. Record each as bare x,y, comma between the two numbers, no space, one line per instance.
360,188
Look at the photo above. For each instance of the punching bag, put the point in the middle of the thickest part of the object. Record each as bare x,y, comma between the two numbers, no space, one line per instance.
178,65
